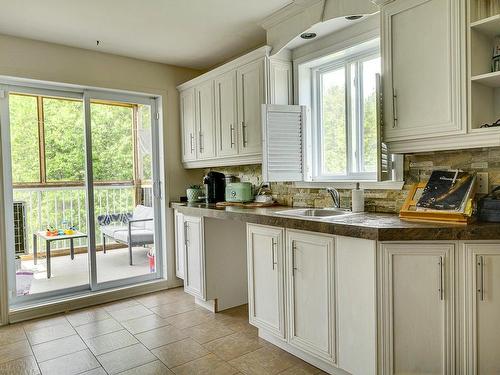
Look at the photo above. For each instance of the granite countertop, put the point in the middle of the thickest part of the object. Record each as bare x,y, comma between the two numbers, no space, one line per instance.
372,226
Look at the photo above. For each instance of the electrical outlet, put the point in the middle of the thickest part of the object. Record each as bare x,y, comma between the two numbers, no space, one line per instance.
482,183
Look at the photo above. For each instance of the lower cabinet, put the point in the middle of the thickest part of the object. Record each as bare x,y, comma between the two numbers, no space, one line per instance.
266,284
482,286
194,261
311,293
418,305
179,244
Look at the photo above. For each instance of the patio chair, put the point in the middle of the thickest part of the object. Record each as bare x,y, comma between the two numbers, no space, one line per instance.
131,229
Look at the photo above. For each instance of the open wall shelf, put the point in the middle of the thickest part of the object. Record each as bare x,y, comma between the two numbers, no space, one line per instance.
484,85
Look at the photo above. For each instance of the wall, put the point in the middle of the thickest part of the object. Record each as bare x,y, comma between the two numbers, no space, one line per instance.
51,62
418,167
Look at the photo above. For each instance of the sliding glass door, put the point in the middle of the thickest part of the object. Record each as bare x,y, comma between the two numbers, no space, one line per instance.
81,190
124,188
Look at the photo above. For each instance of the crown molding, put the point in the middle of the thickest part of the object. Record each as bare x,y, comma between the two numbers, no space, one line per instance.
287,12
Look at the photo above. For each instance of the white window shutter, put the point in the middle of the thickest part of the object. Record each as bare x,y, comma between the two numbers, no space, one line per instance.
283,142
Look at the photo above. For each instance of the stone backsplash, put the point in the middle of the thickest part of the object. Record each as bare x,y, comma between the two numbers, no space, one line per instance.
417,167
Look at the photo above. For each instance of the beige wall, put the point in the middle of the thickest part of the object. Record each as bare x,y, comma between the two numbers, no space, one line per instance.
52,62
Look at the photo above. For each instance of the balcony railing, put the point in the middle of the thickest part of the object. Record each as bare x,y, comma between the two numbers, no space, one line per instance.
50,206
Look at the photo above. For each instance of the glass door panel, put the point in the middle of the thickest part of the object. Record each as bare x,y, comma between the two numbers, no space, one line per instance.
47,183
123,200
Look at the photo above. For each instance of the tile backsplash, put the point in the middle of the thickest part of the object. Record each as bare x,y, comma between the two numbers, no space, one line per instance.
417,167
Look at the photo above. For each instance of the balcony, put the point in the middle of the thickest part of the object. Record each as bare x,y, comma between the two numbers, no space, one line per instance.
49,207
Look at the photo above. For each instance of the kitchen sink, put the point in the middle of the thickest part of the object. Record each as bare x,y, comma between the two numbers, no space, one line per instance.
315,212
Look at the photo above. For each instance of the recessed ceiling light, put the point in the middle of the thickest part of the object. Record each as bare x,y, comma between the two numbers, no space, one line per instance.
353,18
308,35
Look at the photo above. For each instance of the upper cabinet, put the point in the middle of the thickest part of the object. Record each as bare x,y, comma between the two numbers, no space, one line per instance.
424,75
221,111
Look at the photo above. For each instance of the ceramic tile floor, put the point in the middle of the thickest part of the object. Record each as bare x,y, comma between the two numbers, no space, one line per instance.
159,333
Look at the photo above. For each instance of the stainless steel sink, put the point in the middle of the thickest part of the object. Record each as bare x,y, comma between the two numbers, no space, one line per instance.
315,212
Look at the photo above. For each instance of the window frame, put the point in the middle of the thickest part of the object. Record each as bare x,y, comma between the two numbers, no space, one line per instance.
43,182
316,122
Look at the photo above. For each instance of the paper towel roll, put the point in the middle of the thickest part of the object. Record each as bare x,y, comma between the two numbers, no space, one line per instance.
358,200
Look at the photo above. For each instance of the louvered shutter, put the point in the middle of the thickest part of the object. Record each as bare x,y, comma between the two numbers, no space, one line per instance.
283,143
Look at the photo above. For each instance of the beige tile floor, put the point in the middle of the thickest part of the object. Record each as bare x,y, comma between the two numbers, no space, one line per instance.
159,333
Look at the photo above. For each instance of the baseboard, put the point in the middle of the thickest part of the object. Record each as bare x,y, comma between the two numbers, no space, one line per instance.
86,300
210,305
302,355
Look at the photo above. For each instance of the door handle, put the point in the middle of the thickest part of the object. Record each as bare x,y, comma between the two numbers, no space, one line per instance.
480,264
186,242
441,281
294,249
274,244
201,142
232,135
191,136
395,107
244,133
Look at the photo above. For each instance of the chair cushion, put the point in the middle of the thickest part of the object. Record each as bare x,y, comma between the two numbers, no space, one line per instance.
138,236
110,230
143,212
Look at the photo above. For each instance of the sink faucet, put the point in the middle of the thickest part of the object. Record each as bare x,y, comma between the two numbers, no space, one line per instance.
334,193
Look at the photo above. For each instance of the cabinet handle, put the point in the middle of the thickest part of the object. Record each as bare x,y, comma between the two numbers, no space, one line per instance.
395,108
186,242
274,244
201,142
441,283
294,248
232,135
191,136
480,290
244,133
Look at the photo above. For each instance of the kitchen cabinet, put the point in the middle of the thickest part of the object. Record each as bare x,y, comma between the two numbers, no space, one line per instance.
188,120
266,285
225,114
418,302
205,120
483,308
424,73
179,244
250,85
311,306
228,108
194,261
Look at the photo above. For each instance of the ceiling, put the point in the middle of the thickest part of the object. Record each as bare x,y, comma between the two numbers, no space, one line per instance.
192,33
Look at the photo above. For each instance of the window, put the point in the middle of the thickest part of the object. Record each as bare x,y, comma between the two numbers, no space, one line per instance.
344,125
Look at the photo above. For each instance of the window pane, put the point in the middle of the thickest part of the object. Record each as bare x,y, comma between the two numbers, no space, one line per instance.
64,140
333,113
112,147
144,142
370,68
24,138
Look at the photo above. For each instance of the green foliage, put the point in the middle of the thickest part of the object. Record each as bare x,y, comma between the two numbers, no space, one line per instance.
112,145
334,131
24,138
64,139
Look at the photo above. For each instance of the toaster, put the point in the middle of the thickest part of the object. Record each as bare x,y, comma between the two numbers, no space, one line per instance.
239,192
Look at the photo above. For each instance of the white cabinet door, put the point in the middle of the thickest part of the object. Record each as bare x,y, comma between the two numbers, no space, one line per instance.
205,119
194,267
250,99
179,244
483,308
265,259
311,293
423,71
225,114
188,124
418,290
280,82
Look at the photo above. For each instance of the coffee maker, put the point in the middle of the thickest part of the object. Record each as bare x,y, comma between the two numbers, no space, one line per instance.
215,187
